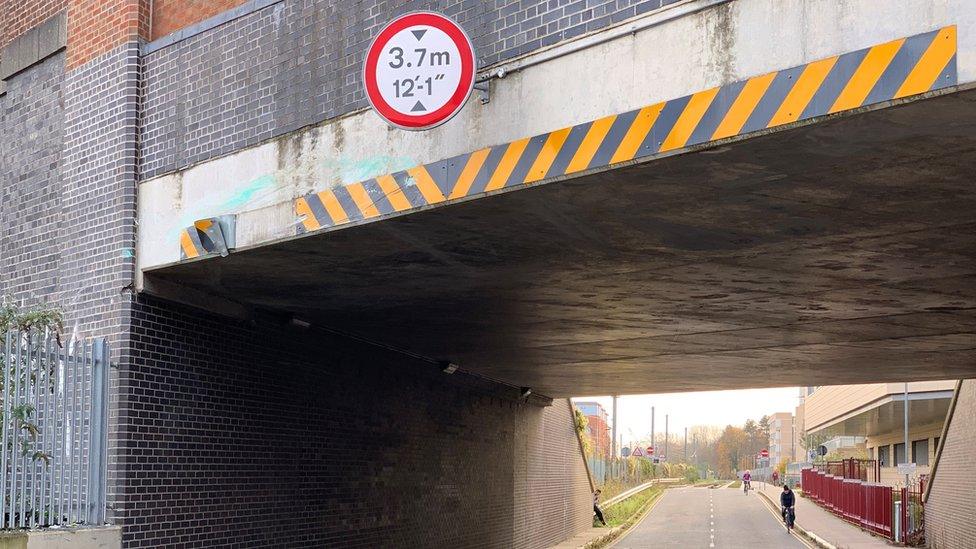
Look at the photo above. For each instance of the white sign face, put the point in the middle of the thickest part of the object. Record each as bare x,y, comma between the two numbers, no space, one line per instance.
906,468
419,71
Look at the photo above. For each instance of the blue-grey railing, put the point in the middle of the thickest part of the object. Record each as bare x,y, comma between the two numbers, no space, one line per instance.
54,439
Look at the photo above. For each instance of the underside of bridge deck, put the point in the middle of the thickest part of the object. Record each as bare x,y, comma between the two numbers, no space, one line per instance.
838,251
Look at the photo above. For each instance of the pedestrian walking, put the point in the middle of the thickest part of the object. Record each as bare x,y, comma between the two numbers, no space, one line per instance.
596,506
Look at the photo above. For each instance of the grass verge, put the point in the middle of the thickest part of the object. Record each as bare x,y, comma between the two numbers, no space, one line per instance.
618,514
736,484
624,515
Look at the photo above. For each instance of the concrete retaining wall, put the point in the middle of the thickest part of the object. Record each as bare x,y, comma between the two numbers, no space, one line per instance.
79,538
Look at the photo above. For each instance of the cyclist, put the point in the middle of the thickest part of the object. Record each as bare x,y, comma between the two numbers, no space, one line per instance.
746,481
787,500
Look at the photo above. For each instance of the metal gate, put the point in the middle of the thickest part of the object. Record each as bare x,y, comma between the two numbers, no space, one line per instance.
54,440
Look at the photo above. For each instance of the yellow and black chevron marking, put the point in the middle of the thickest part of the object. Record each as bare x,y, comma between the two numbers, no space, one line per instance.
204,237
901,68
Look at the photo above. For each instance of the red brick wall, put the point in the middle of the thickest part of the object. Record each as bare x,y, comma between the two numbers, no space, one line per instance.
599,435
96,27
19,16
172,15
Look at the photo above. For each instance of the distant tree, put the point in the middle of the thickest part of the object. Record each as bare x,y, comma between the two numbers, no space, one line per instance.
764,427
733,451
750,428
781,467
812,441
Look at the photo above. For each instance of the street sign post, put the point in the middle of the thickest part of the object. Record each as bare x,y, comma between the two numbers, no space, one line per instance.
419,71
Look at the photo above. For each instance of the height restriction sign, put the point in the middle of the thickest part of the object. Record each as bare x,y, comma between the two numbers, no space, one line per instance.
419,71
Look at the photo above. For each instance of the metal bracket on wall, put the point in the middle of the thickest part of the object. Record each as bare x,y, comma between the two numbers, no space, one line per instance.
213,235
484,91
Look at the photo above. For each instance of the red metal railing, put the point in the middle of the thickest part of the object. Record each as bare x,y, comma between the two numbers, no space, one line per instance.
866,505
912,517
863,469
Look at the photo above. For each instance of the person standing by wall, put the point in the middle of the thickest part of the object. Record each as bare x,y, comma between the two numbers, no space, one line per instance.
596,506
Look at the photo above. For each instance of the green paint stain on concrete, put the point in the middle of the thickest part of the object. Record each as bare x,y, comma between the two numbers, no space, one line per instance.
248,193
218,205
352,171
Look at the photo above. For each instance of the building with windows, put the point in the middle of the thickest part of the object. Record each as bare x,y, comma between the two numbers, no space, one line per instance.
869,420
782,438
598,427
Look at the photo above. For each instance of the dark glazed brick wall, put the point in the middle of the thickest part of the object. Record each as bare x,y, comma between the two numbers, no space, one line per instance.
236,436
97,237
32,130
299,63
67,183
206,95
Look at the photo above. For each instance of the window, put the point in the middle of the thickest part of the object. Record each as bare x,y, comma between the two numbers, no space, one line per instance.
899,454
920,451
936,444
883,456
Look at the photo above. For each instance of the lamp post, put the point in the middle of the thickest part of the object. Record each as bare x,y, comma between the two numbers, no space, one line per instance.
613,437
906,436
686,445
653,441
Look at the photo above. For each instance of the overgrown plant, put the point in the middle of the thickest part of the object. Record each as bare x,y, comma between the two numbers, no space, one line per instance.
581,424
25,322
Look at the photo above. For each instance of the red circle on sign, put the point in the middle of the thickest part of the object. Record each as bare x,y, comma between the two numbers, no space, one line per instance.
457,99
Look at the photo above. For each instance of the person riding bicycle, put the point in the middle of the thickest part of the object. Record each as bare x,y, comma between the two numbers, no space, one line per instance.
787,500
746,480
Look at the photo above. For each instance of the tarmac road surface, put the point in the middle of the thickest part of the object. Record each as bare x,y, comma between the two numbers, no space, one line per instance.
710,518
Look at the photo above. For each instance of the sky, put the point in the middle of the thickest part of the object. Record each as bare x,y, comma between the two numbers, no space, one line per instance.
719,408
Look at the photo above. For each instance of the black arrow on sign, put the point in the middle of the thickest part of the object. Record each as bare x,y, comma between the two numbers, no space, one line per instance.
419,33
419,107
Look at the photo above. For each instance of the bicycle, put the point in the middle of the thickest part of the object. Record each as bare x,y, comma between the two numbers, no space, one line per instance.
789,517
746,485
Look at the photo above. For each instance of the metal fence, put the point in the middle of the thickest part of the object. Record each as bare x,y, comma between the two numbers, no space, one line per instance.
54,441
867,470
866,505
899,515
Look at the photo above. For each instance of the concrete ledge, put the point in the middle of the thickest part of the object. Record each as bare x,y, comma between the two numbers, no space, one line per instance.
34,45
107,537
